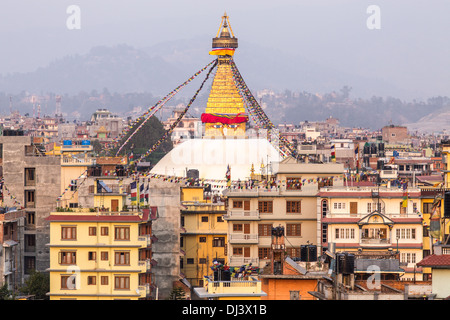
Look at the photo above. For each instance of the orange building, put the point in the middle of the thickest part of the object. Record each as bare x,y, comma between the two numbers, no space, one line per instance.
293,283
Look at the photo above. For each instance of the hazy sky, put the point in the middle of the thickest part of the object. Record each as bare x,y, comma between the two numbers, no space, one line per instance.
410,47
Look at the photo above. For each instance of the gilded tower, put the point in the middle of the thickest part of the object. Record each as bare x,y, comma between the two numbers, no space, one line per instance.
225,114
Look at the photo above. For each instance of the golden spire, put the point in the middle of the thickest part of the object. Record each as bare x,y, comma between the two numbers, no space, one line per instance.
225,43
225,111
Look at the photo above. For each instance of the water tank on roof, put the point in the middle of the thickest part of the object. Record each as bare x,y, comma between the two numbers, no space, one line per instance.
193,173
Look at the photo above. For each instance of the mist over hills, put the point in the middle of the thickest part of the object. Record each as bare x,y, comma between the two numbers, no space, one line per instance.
122,77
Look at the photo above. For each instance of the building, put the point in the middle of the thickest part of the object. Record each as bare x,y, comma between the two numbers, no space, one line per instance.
101,255
76,158
290,202
31,181
12,244
189,128
395,134
204,234
439,263
373,219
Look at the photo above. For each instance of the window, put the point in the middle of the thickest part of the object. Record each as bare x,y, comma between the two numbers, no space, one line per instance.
426,232
104,280
373,206
68,233
122,233
293,183
30,199
202,239
402,208
247,205
202,260
264,230
104,255
237,251
204,218
190,261
406,233
104,231
30,264
122,258
92,231
324,233
182,221
265,206
407,257
237,204
92,280
324,208
73,185
30,176
181,242
220,219
92,255
30,218
122,282
325,182
67,257
237,227
219,242
293,206
339,205
374,233
293,252
68,282
427,208
264,253
293,230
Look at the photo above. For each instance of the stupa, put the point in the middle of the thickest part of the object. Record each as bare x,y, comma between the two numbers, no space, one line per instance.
225,141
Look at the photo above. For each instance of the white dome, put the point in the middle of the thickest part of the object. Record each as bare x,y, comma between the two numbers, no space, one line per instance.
212,156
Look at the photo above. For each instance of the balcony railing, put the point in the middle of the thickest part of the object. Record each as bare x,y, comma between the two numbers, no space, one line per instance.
241,286
244,238
242,215
239,261
375,241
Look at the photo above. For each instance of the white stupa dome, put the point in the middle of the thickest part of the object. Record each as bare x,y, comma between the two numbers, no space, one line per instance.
211,158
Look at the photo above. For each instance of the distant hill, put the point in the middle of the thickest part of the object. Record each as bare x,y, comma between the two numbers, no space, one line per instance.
122,78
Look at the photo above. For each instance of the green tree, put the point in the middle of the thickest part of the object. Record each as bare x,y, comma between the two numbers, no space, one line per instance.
177,294
38,284
5,294
145,138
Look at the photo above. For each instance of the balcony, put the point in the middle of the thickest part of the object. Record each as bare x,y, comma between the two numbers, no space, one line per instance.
243,238
72,161
242,215
240,260
145,265
233,287
370,241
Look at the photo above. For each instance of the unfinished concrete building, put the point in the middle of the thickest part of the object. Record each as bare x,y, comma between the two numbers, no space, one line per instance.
31,181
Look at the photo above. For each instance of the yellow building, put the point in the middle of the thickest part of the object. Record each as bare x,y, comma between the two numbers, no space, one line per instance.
204,234
100,255
432,204
445,147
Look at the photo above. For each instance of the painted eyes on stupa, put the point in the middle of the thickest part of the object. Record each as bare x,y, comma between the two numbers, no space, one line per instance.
217,126
232,126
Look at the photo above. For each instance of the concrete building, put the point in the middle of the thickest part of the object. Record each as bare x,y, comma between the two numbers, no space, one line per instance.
289,203
12,246
395,134
31,181
204,234
101,255
372,218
